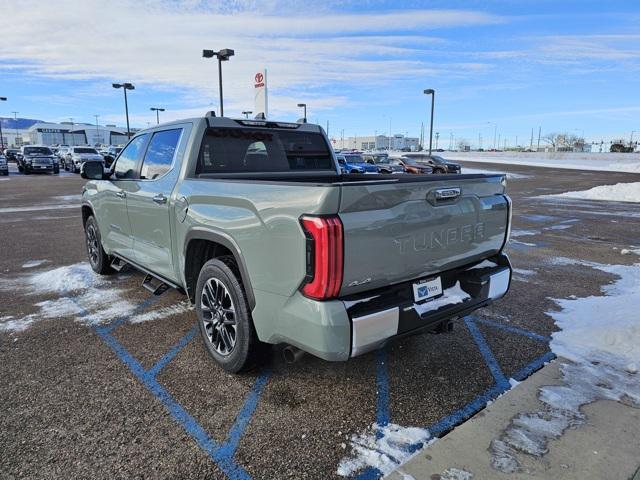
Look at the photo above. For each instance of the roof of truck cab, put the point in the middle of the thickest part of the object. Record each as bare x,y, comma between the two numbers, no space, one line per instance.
236,122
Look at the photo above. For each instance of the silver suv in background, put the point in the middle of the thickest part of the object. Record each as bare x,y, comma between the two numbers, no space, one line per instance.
76,156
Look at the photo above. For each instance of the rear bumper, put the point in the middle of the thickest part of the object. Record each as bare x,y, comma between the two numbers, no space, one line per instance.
378,316
337,330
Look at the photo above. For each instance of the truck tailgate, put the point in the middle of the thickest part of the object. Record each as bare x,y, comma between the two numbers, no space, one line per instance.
415,227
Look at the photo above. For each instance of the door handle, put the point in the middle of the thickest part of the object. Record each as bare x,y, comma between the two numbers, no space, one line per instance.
160,199
121,193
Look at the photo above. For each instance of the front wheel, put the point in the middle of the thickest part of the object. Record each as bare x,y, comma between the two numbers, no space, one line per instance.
223,315
56,171
98,259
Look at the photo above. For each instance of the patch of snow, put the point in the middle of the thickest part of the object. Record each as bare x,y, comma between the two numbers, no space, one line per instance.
451,296
68,198
34,263
518,242
178,308
558,227
514,383
452,473
627,251
484,264
38,208
600,336
524,272
620,192
382,447
510,176
64,279
523,233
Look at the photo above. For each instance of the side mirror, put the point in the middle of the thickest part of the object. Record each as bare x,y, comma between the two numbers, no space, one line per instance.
92,171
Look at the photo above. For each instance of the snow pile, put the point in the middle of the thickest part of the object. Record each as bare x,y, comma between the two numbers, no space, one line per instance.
620,192
64,279
607,162
383,447
182,307
601,337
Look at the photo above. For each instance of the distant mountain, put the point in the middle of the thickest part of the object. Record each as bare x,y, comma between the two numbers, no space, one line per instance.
19,123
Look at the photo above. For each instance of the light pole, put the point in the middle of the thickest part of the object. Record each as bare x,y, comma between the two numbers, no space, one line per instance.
2,99
157,110
15,118
304,106
125,87
432,92
246,113
223,55
437,137
97,133
73,140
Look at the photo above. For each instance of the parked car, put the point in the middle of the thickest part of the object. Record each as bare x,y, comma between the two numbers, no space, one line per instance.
347,167
4,166
411,166
384,163
109,154
439,164
11,154
278,248
76,156
357,160
62,155
36,158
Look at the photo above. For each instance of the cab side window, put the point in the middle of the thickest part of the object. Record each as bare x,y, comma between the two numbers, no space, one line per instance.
159,157
126,164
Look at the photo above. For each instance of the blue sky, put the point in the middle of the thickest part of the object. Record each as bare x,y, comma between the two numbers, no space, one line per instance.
569,66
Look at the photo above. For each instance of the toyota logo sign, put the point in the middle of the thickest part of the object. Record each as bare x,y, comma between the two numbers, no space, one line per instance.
259,78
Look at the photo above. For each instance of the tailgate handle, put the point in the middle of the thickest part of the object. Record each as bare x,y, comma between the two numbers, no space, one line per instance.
447,193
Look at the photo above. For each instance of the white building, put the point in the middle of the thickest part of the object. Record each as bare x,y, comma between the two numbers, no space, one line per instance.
378,142
75,134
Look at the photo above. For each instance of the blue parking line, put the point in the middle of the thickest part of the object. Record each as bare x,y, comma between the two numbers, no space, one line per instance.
486,353
244,416
382,386
510,329
179,414
537,364
167,357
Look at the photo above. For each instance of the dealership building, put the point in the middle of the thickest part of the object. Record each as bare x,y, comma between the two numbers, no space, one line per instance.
75,134
377,142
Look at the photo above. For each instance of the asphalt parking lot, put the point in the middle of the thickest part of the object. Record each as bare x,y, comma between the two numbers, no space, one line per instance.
101,379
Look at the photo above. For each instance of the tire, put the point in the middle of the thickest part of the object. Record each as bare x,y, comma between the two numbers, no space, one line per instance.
98,259
220,300
26,171
56,171
20,169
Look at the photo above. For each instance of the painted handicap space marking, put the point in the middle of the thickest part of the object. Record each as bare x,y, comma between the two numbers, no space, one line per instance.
221,454
448,422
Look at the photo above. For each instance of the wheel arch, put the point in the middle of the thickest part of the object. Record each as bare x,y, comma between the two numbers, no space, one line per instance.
87,211
202,245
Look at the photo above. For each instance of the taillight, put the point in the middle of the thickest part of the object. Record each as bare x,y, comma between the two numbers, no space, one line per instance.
323,256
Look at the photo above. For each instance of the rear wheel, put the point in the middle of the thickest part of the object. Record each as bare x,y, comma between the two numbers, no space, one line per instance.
98,259
224,318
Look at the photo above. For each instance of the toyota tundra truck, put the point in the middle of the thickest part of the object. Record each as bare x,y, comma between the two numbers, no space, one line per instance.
254,222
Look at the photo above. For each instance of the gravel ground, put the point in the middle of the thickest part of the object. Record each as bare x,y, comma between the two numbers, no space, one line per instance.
70,407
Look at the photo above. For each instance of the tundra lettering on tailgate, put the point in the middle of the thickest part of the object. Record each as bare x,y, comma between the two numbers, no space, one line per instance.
440,238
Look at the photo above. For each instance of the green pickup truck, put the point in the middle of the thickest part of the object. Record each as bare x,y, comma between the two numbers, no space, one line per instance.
255,223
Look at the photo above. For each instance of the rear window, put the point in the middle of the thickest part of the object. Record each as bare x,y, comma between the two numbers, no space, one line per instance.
85,150
234,150
37,151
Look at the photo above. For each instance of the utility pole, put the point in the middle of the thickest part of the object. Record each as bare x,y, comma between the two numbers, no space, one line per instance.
342,139
516,145
531,144
97,133
15,119
73,140
437,137
539,135
495,130
2,99
479,141
498,142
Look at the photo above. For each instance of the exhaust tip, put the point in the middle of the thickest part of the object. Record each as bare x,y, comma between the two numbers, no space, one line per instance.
291,354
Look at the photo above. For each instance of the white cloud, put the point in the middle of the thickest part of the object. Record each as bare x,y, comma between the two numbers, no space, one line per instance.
158,45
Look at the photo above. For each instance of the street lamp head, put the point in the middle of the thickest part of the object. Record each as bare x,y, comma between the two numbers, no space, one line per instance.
302,105
429,91
129,86
3,99
116,85
208,53
225,53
